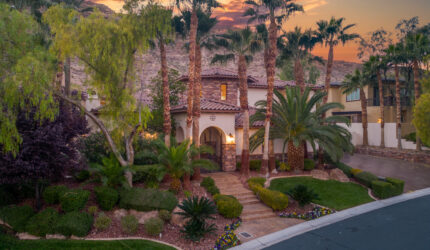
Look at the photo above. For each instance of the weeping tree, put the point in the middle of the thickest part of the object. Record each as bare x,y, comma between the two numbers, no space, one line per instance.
297,118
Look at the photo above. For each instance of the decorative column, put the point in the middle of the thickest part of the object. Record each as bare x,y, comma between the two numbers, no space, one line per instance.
229,157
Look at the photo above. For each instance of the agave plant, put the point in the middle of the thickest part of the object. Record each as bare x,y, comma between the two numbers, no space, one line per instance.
197,210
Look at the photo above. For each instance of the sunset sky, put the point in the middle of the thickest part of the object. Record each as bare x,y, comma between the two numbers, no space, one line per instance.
369,15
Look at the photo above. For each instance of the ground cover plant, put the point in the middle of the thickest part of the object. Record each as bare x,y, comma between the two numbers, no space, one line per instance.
147,199
332,194
310,215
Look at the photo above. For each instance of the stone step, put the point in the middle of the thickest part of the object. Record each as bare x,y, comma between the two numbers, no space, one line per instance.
245,196
238,192
255,209
232,186
249,201
251,217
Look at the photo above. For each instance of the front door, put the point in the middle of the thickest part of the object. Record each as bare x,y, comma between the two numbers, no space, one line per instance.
211,137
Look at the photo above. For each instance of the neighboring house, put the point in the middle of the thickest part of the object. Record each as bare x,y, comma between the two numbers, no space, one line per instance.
352,104
221,121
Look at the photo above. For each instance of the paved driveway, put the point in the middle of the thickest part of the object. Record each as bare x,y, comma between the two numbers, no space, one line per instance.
415,175
402,226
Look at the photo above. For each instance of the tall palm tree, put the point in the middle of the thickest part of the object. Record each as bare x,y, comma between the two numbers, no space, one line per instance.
332,33
240,45
271,8
297,118
351,83
417,46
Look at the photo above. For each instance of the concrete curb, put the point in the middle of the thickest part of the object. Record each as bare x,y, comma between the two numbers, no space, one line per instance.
304,227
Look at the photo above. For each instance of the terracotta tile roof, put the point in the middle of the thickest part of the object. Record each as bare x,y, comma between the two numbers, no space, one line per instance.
207,106
239,119
279,84
215,72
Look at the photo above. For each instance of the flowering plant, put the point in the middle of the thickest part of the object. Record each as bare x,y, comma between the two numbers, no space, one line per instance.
311,215
228,239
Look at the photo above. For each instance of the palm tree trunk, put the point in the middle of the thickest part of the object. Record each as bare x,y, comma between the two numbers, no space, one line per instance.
328,73
167,125
196,105
381,107
270,86
272,159
243,87
417,96
299,75
295,156
398,109
364,117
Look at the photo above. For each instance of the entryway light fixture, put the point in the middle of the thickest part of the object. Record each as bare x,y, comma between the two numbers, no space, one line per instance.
230,139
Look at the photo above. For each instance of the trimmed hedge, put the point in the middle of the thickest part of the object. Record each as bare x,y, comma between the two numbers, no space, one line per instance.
75,223
51,195
153,226
309,164
106,197
228,206
355,171
43,223
16,216
388,188
274,199
366,178
209,184
74,199
345,168
147,199
257,180
398,184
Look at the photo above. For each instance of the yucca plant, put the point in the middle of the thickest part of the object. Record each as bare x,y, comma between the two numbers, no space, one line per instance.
197,210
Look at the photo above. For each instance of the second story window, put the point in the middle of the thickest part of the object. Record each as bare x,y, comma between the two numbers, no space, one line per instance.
223,89
353,96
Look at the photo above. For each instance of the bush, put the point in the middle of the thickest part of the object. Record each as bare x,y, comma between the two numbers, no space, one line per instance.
75,223
365,178
345,168
355,171
94,147
382,189
147,199
257,180
284,166
303,195
151,175
213,190
207,182
16,216
255,165
274,199
228,206
82,175
51,195
74,199
106,197
398,184
129,224
93,210
102,222
154,226
309,164
164,215
43,223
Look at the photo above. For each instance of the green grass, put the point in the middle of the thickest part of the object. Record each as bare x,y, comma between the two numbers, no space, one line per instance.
9,242
332,194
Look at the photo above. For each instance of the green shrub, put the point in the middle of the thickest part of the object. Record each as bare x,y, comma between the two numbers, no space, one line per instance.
75,223
382,189
154,226
309,164
213,190
303,195
129,224
74,199
16,216
82,175
93,210
274,199
43,223
106,197
147,199
228,206
151,175
398,184
257,180
164,215
284,166
345,168
51,195
102,222
355,171
94,147
255,165
365,178
207,182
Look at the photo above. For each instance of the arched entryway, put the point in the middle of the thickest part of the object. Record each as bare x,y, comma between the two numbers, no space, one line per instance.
213,137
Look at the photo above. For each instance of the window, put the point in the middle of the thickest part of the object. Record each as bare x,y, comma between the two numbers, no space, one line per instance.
223,89
353,96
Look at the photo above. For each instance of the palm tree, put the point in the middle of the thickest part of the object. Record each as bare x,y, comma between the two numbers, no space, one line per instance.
350,84
297,118
240,45
332,33
417,46
288,7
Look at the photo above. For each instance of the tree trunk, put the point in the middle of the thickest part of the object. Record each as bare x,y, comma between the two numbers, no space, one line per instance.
243,87
67,87
299,75
398,109
295,156
167,124
272,159
364,117
270,86
417,95
328,72
59,76
196,106
381,107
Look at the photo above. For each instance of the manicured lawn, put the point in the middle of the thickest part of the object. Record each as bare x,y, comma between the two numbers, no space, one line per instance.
8,242
332,194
